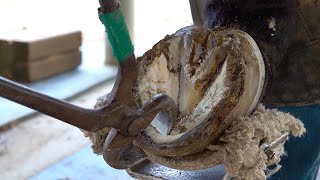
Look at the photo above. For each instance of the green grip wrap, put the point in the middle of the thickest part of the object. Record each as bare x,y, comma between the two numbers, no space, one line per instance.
118,34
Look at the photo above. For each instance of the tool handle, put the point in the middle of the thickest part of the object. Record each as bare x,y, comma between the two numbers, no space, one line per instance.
66,112
111,16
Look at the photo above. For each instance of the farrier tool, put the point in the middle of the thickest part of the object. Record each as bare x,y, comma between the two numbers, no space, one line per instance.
122,113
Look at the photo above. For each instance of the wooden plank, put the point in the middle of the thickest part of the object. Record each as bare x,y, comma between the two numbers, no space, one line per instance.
6,72
52,65
6,56
32,46
35,49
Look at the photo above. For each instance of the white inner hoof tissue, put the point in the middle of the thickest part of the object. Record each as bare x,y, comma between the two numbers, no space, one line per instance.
214,76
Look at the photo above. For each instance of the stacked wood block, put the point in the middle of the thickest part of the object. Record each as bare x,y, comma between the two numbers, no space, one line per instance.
27,56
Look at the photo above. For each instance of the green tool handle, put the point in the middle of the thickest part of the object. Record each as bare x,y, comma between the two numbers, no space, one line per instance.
118,34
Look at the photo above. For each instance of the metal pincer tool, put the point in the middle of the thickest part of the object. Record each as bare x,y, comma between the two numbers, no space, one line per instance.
122,114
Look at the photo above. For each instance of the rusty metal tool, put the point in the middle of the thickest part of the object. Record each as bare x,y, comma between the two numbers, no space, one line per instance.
122,113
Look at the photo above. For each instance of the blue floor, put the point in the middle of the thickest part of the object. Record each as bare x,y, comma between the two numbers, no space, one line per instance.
83,165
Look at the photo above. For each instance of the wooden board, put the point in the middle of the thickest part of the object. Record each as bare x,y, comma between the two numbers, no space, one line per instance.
32,46
6,56
36,49
6,72
44,68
